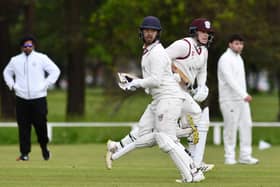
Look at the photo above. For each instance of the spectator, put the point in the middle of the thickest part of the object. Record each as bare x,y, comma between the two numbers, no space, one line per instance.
25,74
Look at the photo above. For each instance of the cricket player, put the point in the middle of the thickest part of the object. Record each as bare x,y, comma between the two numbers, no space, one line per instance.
158,123
189,57
234,103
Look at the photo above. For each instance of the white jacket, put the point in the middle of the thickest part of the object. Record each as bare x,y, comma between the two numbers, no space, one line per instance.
26,75
231,77
190,58
158,78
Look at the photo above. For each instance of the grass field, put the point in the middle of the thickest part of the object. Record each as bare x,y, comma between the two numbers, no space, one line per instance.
83,165
79,163
102,107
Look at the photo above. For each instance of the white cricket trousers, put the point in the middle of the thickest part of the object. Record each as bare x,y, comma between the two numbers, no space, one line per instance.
161,116
237,116
191,107
158,125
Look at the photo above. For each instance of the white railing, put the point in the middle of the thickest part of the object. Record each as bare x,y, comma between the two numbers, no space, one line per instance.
51,125
217,134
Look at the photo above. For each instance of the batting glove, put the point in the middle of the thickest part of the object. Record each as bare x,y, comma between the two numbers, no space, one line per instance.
201,93
177,77
134,84
131,86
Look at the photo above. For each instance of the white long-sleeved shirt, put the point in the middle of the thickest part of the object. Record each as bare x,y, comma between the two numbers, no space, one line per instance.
26,75
231,77
190,58
158,79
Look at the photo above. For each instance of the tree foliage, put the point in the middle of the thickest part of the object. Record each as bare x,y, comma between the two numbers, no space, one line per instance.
109,30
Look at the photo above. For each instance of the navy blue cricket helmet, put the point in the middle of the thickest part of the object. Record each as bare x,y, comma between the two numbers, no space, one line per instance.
151,22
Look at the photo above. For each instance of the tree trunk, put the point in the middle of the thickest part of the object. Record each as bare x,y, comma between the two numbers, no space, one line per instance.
7,97
212,83
29,15
278,91
76,60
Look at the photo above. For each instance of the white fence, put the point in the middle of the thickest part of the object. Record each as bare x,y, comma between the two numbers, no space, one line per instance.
217,134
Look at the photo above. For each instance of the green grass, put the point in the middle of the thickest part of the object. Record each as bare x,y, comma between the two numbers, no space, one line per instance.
100,106
264,107
104,107
83,165
86,135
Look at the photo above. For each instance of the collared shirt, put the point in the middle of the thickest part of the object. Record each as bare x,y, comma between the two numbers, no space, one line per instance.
158,79
231,77
26,74
190,58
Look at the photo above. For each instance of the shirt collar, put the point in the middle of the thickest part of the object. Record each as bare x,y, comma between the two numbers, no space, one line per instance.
150,47
232,52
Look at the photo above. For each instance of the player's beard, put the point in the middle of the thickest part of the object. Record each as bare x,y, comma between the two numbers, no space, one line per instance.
27,51
149,40
237,51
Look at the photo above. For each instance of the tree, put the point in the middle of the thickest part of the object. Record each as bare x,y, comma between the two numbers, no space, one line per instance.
272,11
106,32
76,58
29,16
9,10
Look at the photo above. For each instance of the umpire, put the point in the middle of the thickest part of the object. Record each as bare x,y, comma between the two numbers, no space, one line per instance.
29,74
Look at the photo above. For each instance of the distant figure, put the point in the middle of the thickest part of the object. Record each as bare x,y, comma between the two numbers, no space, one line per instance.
25,74
234,103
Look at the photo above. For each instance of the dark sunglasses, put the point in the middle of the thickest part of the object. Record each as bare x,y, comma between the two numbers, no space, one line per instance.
27,45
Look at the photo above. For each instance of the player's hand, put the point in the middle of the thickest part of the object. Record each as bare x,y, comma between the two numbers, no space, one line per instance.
11,87
134,84
126,77
248,98
177,77
201,93
131,86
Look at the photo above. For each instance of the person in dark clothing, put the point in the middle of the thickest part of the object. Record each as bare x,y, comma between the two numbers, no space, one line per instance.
25,74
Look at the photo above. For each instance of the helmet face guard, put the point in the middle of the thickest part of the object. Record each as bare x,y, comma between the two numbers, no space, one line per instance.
150,22
210,39
204,25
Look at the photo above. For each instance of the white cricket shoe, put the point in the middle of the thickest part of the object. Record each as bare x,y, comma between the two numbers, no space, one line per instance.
249,160
182,181
206,167
109,160
197,177
112,146
230,161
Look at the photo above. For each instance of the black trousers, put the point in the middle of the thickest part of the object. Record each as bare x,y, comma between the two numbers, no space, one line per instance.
28,113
